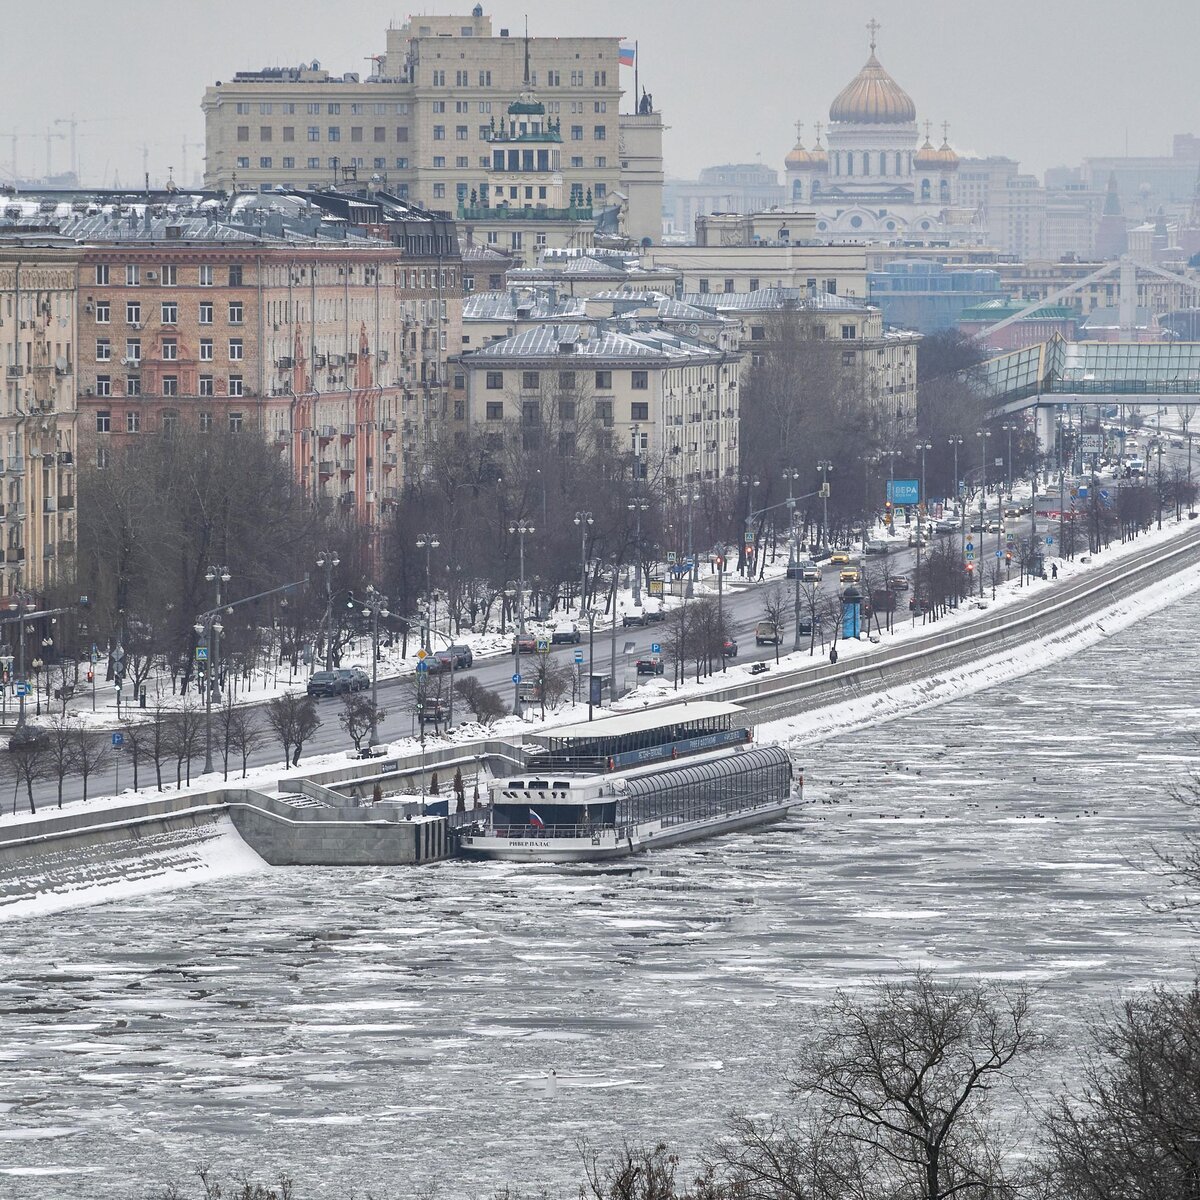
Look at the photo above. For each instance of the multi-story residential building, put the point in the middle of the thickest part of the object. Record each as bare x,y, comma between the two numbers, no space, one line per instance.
38,272
671,400
581,273
883,363
422,121
333,347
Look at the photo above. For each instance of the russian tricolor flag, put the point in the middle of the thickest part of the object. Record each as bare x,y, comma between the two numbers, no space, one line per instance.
627,54
535,820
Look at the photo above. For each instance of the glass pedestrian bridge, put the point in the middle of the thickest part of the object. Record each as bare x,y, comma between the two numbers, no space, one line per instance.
1060,372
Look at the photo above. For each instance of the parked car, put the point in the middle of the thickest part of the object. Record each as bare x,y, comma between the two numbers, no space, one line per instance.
944,526
335,683
566,635
807,626
525,642
457,657
650,666
357,680
811,573
28,737
729,648
655,616
633,619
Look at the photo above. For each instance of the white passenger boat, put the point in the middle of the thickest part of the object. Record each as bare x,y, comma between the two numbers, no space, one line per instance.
624,784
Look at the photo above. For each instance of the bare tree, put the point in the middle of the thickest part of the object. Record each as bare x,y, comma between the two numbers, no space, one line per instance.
60,751
27,764
908,1073
775,608
359,717
93,753
1133,1133
293,719
185,736
139,738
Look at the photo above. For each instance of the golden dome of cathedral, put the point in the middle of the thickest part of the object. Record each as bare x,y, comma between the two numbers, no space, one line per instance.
873,97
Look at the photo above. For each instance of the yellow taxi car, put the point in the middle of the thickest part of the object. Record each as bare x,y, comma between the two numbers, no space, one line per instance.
848,575
840,558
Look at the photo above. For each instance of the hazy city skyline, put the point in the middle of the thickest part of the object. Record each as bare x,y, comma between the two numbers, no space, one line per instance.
1029,80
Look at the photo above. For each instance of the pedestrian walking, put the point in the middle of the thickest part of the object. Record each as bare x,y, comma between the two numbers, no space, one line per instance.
1054,570
833,655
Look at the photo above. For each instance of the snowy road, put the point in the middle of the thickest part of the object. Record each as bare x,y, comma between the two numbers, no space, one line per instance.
384,1028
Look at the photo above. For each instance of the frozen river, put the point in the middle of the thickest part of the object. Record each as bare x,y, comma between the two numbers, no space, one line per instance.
390,1028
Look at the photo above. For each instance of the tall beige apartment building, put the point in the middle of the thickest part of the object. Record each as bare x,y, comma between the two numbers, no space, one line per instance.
38,272
422,121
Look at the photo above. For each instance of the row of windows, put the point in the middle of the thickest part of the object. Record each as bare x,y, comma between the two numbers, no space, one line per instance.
553,79
170,422
169,312
567,380
168,275
313,108
706,288
169,385
531,413
169,349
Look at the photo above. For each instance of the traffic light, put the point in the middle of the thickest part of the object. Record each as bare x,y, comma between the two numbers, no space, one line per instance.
1008,555
887,512
970,568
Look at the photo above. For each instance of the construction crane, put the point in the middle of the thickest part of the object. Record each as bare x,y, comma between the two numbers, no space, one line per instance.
74,122
50,136
184,181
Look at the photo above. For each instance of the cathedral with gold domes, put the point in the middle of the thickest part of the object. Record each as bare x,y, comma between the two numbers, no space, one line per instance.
874,182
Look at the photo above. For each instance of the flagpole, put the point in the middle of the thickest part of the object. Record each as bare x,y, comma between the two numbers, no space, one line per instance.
637,96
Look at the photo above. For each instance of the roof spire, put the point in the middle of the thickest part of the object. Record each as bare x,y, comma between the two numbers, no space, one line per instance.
873,26
527,50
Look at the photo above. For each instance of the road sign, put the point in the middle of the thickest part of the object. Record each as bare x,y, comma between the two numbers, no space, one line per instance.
23,689
970,556
671,556
516,679
655,648
1049,540
579,656
202,654
422,653
422,667
904,491
118,740
1010,536
970,546
542,645
656,587
999,553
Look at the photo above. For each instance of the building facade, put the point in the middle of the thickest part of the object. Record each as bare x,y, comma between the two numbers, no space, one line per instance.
38,273
838,269
928,296
422,120
730,188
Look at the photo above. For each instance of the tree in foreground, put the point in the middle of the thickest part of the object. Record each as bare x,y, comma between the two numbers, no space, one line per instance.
908,1073
293,719
1133,1132
359,716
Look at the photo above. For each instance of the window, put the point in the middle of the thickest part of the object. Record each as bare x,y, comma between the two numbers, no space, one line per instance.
243,163
235,385
235,420
103,312
600,106
206,385
206,276
133,312
380,164
206,349
335,110
439,80
529,381
601,190
495,410
577,161
849,332
601,160
133,421
243,106
170,349
314,164
439,189
380,133
356,133
314,133
639,381
758,333
243,133
170,312
102,274
170,385
729,285
170,419
101,457
103,421
439,133
847,358
600,79
577,133
235,349
133,385
314,109
639,411
462,162
206,419
333,134
566,380
402,133
264,133
460,133
604,413
103,385
133,275
235,276
357,110
600,132
287,108
264,109
566,410
235,312
485,79
495,380
753,284
265,163
133,349
704,287
604,380
402,165
103,350
289,133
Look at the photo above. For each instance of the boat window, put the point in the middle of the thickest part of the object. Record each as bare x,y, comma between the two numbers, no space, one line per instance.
538,783
562,783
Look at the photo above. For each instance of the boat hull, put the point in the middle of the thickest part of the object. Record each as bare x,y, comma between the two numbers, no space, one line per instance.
608,844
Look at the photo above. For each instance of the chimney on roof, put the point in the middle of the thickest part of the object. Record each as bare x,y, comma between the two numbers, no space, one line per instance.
174,232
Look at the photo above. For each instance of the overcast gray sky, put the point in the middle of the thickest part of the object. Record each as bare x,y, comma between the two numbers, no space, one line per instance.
1045,81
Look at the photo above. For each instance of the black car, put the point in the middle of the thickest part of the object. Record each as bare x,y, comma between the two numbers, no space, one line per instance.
638,618
28,737
649,666
729,648
566,635
339,682
458,658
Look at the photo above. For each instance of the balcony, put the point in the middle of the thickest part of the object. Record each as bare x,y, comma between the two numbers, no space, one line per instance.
66,458
14,554
49,504
17,511
326,466
16,466
327,431
16,372
48,550
388,425
503,213
348,431
66,503
390,458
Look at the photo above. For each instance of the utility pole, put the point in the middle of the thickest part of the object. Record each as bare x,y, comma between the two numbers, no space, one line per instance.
327,559
520,528
428,542
637,507
825,466
983,435
583,520
216,576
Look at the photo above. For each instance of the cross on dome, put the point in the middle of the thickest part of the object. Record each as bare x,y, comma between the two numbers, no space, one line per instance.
873,26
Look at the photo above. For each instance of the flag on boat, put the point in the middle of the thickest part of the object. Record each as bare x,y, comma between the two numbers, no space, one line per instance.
627,54
535,820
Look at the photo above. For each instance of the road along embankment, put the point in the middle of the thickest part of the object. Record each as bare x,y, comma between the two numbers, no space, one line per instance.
92,854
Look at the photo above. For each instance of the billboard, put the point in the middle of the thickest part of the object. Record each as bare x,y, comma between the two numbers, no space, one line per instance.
904,491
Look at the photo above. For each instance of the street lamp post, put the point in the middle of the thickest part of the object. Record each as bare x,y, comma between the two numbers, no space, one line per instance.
216,576
637,507
749,482
591,620
922,508
376,606
955,442
1008,428
520,528
824,466
693,499
429,543
36,666
890,455
983,435
583,520
327,560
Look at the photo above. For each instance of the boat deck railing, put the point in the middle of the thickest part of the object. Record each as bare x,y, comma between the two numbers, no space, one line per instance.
588,832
